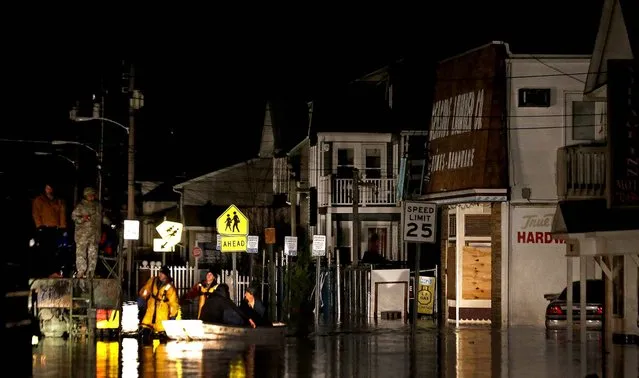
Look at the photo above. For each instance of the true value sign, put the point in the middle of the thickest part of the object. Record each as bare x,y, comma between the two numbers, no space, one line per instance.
420,222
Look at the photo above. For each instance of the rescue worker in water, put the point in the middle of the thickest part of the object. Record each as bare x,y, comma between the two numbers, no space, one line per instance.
202,290
162,304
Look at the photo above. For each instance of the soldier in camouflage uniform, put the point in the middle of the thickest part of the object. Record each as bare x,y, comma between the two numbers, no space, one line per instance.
87,217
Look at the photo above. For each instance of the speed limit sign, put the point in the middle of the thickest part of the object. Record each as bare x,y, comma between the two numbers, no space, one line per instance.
420,222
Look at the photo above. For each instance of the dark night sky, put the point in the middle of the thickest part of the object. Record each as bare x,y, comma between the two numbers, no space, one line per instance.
216,82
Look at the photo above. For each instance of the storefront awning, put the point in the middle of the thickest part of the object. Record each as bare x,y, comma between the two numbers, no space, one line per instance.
578,217
467,196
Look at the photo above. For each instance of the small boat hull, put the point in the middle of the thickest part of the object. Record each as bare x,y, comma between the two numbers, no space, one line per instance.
198,330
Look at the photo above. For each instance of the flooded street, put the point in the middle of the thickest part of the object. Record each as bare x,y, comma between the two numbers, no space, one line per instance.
385,350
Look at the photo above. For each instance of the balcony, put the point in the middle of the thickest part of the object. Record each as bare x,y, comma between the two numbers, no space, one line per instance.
581,172
372,192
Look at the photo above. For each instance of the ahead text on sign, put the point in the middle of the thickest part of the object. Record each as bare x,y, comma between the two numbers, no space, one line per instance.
233,243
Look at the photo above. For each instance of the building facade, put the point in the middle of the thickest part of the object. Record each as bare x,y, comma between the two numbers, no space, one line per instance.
498,119
599,180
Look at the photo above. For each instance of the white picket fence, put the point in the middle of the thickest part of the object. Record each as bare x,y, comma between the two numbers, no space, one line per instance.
184,277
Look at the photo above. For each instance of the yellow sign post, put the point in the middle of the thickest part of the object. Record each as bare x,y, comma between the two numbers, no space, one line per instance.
426,295
233,226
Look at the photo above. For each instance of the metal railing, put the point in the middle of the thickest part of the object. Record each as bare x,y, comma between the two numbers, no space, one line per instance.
581,172
355,301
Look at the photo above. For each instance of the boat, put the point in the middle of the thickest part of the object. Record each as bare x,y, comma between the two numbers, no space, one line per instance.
191,329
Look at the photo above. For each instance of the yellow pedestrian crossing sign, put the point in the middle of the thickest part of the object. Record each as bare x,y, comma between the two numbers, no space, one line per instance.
232,223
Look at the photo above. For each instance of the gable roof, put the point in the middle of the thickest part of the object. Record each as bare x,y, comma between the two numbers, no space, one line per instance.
290,120
214,174
162,192
612,42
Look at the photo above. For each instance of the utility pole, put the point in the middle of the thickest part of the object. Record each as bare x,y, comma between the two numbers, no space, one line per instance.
98,112
356,223
293,200
131,168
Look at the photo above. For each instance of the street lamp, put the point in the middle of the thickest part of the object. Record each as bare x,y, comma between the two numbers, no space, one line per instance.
75,167
67,142
87,119
75,118
97,155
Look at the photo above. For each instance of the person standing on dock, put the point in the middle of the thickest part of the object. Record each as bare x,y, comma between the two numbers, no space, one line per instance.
87,217
50,219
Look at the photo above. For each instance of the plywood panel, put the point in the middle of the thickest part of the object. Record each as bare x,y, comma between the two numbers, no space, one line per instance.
476,283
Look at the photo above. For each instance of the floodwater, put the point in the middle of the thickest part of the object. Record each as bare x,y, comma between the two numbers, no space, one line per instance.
387,349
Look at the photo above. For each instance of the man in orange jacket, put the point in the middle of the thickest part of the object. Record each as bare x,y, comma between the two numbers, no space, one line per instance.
50,218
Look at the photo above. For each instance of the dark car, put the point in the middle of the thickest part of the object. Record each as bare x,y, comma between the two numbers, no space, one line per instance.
557,311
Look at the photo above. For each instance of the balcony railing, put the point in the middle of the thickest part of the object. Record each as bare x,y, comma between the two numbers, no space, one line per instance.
372,192
581,172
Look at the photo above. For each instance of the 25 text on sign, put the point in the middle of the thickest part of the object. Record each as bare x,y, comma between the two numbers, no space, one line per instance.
420,220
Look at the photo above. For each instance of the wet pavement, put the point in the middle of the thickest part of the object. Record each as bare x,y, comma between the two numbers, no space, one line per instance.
388,349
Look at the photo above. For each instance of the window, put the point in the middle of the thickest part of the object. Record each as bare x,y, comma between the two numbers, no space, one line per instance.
345,162
373,161
583,120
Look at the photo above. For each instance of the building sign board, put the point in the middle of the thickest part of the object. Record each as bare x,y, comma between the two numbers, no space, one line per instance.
467,136
623,133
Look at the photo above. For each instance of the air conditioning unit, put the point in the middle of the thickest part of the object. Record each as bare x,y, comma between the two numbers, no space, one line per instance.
302,185
534,97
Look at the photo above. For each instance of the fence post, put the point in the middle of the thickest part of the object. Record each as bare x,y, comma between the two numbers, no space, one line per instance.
338,284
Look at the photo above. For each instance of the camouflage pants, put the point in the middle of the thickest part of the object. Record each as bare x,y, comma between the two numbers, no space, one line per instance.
86,254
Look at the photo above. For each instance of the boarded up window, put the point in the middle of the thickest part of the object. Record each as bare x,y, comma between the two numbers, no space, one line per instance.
477,225
476,271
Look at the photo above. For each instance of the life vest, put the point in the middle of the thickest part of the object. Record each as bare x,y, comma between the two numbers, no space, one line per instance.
159,293
205,291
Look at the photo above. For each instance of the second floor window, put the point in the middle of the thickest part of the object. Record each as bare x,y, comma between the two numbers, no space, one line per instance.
583,120
345,162
373,161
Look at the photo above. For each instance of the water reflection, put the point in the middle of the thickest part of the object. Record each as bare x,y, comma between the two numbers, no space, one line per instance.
387,349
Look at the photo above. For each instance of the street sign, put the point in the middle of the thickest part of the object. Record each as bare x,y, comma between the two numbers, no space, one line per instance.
252,243
420,222
232,223
319,245
269,235
162,245
131,229
197,251
235,243
170,232
218,242
290,245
